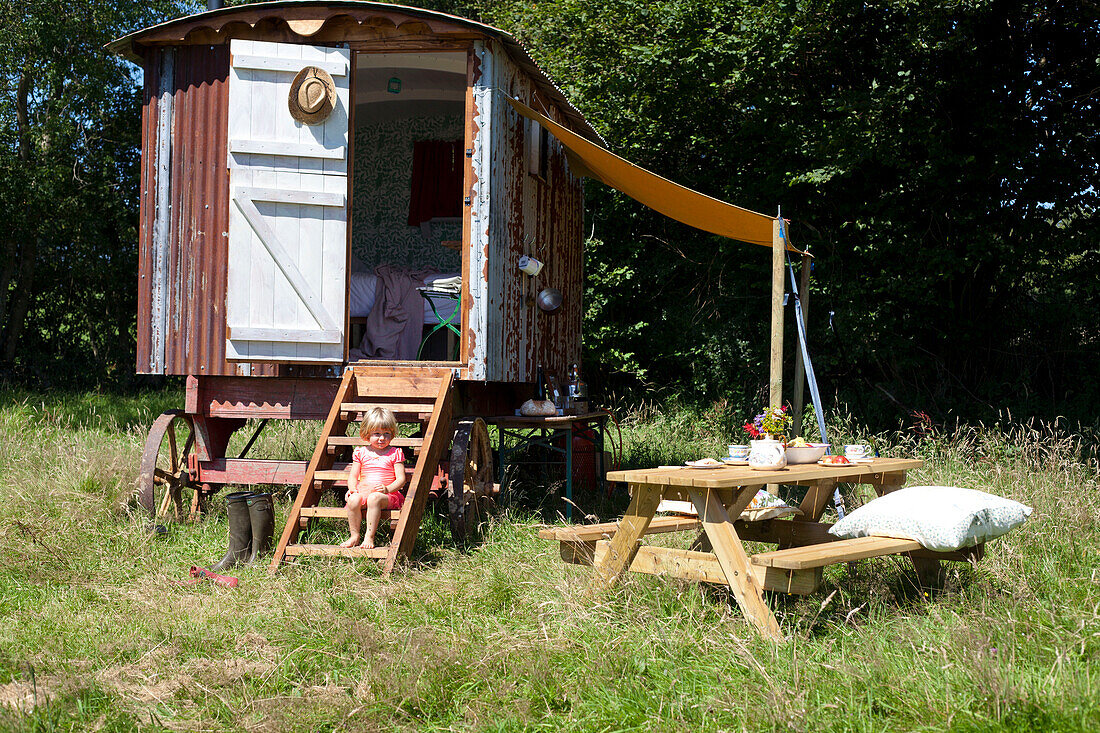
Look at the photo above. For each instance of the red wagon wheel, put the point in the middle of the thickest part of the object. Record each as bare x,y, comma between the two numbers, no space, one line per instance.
470,487
164,475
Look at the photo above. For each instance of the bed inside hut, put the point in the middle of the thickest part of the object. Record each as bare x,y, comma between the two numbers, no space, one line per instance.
405,212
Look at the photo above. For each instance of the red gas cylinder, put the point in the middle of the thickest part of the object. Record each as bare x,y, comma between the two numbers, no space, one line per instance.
584,456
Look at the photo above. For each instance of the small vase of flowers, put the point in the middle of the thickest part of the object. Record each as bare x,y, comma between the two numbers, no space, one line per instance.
771,424
767,430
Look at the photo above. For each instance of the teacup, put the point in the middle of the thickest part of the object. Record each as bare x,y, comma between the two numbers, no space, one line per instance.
857,451
739,452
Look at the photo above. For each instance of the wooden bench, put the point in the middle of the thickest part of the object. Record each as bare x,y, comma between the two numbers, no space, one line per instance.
831,553
606,530
796,570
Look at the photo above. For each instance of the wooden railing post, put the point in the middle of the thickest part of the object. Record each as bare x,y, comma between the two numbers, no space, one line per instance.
776,361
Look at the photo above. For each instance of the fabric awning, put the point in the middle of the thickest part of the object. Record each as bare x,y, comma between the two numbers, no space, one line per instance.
660,194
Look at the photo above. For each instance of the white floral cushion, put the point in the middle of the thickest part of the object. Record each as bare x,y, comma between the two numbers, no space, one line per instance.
941,518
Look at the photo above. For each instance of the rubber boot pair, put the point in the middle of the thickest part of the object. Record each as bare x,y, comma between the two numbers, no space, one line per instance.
251,527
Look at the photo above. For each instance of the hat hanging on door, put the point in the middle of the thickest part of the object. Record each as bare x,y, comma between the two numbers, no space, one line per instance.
312,96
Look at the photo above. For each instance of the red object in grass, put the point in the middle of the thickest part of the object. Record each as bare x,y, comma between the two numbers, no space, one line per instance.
200,574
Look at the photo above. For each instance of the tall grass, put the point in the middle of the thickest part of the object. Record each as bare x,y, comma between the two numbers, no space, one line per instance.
94,634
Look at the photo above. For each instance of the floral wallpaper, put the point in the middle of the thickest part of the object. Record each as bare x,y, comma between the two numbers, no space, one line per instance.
381,192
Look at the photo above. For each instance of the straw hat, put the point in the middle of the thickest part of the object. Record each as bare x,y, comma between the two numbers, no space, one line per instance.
312,96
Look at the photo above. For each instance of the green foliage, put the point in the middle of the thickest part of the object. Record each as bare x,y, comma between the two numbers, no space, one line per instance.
69,154
938,158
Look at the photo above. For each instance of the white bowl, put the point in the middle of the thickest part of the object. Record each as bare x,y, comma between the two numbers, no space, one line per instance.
809,454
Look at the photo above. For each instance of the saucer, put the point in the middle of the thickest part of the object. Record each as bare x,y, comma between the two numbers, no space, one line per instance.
736,461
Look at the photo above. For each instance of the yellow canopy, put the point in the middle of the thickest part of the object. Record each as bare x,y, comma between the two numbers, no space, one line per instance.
660,194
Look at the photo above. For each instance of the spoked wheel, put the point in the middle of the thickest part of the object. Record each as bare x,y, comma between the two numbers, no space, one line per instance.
470,486
164,478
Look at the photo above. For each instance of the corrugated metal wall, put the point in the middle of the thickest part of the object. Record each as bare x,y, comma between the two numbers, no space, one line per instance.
194,296
539,218
147,212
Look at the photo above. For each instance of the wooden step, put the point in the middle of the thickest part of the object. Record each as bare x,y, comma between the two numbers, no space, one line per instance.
338,512
593,532
378,553
397,389
408,411
356,441
335,474
830,553
339,472
334,512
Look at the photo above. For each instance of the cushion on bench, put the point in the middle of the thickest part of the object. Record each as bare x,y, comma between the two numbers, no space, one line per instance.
940,518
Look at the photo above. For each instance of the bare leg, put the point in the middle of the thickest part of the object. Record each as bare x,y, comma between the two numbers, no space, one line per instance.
376,502
355,519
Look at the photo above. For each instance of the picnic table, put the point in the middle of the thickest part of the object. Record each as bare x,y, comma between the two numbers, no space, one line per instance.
718,556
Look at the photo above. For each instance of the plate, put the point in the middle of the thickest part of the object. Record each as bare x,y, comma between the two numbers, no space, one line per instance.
837,465
693,464
736,461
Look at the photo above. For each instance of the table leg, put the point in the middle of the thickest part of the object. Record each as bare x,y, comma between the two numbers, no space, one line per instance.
735,562
817,498
624,545
929,570
569,473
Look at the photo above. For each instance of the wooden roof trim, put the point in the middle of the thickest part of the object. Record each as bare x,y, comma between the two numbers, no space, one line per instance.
339,21
304,20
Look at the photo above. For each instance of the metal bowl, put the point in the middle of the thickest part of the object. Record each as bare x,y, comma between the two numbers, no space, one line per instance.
549,300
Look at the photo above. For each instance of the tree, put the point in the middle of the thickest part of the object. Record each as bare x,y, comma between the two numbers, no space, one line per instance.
939,157
69,149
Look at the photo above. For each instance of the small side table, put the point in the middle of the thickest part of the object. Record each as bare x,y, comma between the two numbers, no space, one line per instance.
549,432
433,296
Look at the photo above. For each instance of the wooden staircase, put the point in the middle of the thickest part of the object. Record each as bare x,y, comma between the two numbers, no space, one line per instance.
415,394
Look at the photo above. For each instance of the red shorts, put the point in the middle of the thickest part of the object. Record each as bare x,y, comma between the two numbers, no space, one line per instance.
396,500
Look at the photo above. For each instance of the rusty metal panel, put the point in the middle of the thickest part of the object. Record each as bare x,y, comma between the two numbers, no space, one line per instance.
195,307
538,217
147,212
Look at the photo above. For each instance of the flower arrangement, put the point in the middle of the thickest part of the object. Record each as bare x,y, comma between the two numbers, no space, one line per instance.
773,421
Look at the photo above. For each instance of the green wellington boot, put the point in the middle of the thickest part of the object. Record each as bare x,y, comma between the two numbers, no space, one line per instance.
261,512
240,531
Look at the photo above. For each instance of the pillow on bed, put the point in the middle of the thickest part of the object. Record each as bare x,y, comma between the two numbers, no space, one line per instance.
941,518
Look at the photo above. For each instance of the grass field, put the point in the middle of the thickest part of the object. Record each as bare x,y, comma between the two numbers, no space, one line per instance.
94,635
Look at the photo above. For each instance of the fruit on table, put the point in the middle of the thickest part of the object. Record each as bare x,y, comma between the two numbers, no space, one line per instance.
835,460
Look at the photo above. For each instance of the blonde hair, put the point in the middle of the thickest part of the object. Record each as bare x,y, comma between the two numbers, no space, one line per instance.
378,418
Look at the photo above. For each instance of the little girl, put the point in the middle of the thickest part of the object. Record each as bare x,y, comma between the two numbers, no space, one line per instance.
376,477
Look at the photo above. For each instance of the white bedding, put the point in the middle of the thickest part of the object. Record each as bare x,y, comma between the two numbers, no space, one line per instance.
363,293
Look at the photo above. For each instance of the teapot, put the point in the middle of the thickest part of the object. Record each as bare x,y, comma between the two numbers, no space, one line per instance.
767,454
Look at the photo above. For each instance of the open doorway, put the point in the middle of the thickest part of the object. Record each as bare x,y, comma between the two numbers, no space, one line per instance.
406,207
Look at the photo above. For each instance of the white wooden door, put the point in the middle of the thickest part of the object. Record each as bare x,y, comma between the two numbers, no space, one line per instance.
288,209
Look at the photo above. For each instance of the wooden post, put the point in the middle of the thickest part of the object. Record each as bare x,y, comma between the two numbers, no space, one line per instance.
775,392
776,360
799,366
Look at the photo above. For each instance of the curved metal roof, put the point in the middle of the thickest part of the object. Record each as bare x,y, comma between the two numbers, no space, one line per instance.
304,20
